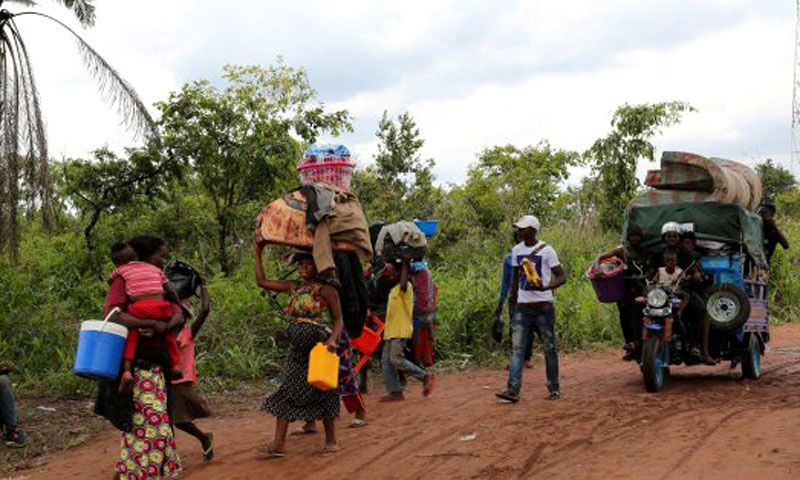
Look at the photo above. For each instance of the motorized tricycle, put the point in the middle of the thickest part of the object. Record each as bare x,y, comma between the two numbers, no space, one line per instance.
733,293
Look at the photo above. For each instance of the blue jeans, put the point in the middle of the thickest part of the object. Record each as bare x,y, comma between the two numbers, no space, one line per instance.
526,323
529,351
392,360
8,414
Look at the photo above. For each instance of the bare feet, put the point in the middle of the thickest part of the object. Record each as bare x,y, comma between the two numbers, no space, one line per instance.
427,385
707,360
393,397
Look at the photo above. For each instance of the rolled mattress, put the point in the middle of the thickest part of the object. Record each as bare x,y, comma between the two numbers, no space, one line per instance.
690,177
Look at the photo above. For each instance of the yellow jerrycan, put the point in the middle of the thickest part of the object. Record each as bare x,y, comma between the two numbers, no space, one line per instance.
323,368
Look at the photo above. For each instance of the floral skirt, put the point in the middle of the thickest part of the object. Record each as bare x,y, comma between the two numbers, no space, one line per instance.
295,399
348,382
148,450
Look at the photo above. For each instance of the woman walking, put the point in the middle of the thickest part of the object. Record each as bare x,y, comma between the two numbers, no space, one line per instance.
315,317
147,449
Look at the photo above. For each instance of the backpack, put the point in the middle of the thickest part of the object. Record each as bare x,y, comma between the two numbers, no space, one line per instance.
184,279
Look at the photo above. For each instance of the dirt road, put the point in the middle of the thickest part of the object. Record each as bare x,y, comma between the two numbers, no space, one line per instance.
708,424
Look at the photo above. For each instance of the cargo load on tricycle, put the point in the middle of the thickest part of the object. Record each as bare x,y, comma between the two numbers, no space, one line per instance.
701,295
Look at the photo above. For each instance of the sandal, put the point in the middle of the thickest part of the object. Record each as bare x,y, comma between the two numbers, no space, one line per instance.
328,449
208,452
267,451
357,423
305,430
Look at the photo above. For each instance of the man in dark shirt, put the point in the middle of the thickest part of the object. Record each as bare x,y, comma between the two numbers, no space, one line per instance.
772,236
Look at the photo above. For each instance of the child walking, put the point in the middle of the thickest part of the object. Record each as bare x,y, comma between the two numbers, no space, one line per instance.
398,331
188,405
149,291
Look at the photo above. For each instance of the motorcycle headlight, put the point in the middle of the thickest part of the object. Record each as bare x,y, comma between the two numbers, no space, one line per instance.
657,298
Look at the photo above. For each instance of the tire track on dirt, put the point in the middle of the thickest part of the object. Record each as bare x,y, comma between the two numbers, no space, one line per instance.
699,443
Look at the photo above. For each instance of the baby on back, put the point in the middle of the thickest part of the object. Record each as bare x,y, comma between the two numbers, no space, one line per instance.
148,291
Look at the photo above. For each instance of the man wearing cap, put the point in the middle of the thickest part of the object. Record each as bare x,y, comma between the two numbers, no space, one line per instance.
534,311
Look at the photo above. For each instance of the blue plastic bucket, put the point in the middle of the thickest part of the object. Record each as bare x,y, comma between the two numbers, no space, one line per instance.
428,227
100,347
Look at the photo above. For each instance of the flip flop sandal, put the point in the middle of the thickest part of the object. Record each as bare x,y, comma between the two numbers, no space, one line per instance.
208,453
268,452
330,449
357,423
304,431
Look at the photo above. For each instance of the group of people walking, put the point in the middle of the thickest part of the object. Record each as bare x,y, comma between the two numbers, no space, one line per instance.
156,388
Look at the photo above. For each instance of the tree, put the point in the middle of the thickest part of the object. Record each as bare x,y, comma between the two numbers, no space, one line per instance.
506,183
107,183
23,144
614,157
241,143
399,185
775,180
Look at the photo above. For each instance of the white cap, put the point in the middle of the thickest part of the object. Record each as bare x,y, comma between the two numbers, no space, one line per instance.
528,221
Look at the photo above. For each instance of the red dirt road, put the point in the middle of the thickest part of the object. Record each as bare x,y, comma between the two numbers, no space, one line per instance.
708,424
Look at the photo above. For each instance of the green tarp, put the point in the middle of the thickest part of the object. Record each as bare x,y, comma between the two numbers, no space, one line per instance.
721,222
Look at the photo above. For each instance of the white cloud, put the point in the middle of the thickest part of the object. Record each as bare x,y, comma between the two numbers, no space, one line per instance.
474,74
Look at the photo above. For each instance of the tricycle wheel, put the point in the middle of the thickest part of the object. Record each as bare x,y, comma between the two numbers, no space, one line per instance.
727,306
751,363
655,368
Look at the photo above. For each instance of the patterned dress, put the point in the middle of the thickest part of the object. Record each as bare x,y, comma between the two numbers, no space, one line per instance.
148,450
295,399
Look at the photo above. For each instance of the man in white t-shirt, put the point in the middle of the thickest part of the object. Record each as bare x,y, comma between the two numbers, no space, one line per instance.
534,311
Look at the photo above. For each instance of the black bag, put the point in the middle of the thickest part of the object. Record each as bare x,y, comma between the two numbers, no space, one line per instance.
184,279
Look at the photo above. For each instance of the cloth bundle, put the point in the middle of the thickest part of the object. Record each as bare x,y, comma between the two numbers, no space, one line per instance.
401,240
336,219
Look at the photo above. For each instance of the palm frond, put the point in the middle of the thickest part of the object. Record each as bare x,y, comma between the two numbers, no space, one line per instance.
114,89
37,158
25,3
84,10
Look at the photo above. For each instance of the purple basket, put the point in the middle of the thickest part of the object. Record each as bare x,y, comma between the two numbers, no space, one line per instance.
609,289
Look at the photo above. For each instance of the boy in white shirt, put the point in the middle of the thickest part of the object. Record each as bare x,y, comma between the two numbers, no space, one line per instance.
670,273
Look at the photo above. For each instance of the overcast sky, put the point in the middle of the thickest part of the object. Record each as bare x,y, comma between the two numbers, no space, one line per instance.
472,73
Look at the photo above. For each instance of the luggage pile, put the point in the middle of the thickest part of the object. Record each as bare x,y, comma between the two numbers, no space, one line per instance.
322,216
690,178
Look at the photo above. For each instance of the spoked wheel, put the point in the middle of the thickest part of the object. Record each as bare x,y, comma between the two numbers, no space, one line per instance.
751,363
655,365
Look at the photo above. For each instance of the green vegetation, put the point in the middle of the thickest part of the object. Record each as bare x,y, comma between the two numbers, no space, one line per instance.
228,148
